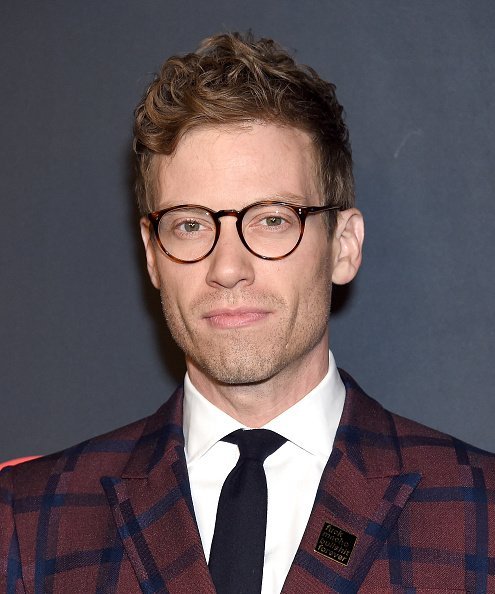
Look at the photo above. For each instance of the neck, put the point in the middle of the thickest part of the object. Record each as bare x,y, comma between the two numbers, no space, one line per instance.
256,404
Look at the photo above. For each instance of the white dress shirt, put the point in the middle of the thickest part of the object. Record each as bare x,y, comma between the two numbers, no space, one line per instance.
293,472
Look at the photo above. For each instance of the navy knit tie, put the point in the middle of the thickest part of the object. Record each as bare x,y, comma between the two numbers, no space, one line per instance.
238,546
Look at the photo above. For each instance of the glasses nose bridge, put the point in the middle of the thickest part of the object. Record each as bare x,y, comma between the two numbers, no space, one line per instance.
231,212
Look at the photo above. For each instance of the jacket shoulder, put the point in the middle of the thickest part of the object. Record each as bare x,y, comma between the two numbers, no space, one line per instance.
451,469
91,459
419,448
87,462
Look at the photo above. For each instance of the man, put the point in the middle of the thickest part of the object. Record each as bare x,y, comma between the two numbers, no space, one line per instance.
245,185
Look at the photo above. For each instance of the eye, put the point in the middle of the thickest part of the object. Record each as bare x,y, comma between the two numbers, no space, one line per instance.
192,228
189,226
272,221
186,224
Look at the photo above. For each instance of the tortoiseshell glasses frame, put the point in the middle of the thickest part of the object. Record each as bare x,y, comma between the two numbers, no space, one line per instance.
290,235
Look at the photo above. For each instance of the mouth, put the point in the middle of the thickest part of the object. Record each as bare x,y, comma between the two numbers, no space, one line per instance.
235,318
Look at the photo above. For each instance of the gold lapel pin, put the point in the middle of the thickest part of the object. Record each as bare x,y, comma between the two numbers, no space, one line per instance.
335,543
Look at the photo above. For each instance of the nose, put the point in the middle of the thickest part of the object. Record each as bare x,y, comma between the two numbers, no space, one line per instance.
230,263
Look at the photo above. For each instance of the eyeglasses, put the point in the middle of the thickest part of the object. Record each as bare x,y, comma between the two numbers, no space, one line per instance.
270,230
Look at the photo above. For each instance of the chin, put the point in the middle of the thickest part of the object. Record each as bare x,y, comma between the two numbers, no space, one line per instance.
238,377
236,370
246,362
241,358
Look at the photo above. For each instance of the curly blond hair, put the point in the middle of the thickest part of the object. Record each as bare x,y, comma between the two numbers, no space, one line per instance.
233,78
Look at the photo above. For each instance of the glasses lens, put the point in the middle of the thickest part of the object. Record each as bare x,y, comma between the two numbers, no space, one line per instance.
271,230
187,233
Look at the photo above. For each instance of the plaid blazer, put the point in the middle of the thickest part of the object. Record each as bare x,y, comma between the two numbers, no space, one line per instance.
114,515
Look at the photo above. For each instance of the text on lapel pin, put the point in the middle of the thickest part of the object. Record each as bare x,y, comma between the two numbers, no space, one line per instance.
335,543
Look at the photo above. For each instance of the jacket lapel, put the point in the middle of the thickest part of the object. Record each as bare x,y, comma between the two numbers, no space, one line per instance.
360,497
152,508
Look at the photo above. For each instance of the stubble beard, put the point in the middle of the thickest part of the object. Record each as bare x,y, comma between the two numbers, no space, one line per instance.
243,356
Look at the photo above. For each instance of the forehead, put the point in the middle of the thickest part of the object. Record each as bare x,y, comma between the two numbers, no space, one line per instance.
229,167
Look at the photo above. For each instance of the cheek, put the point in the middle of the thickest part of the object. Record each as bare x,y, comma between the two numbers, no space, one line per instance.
181,286
319,288
315,271
309,288
174,298
173,288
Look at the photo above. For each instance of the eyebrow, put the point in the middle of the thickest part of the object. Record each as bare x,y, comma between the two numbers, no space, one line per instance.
284,197
288,197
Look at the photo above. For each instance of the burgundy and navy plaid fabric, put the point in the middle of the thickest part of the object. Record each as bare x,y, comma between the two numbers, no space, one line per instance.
114,515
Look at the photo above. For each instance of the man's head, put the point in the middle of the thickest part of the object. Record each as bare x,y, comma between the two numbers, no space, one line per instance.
233,79
235,124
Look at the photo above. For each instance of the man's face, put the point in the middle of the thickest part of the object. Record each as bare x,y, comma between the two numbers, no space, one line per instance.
240,319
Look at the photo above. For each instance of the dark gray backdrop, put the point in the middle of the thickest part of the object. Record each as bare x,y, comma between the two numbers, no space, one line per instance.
83,348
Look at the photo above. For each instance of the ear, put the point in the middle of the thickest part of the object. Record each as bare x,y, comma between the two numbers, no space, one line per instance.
347,246
150,249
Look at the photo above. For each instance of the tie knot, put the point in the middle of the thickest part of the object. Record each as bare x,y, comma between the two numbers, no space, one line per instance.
255,444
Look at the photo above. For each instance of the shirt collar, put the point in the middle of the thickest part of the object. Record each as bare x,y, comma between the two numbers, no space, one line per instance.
311,423
204,424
